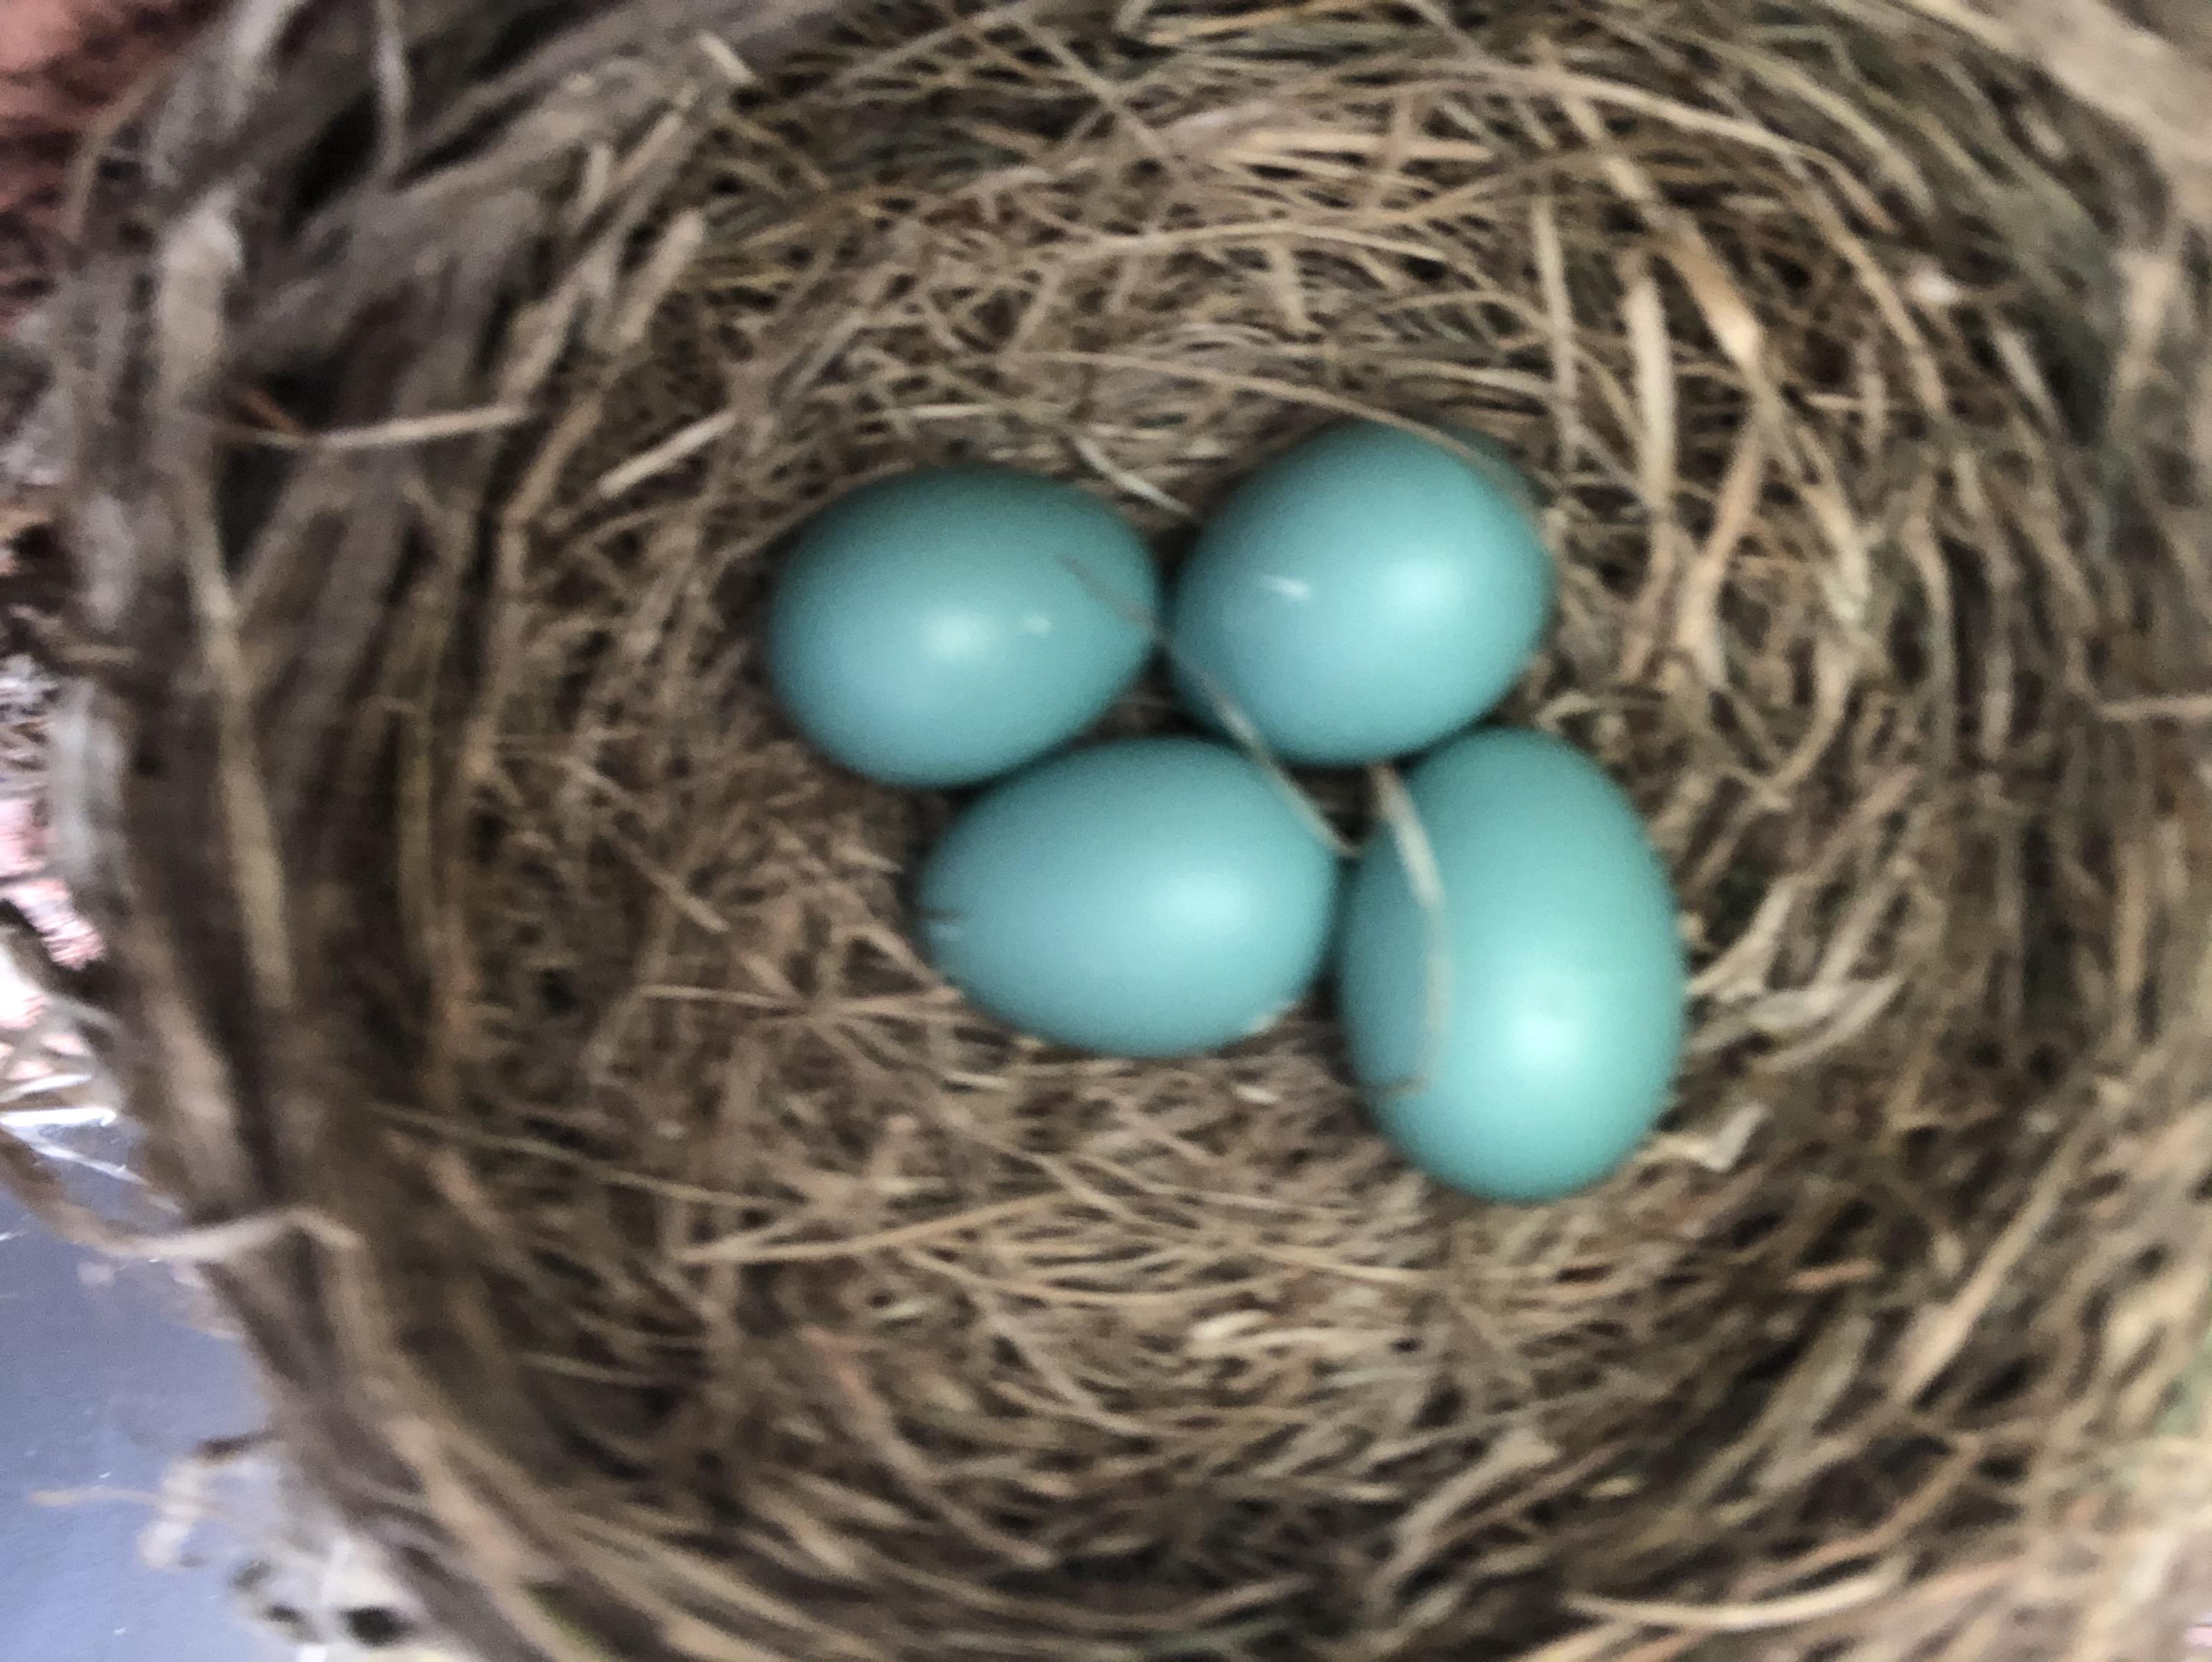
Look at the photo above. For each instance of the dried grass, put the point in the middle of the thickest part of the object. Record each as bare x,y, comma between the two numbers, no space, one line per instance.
647,1249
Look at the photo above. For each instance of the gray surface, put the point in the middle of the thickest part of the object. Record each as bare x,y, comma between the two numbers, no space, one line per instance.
101,1386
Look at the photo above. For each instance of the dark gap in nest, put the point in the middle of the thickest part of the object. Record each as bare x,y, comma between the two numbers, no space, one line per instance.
336,166
484,46
378,1629
2151,1004
1832,1244
254,483
1747,1234
2003,1390
48,152
2046,982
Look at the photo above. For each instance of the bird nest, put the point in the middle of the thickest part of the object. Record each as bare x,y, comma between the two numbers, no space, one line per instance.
646,1249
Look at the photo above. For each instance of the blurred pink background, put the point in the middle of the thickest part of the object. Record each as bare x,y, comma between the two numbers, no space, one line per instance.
62,62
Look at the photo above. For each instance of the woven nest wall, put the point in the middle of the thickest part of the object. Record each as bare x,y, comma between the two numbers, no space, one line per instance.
646,1248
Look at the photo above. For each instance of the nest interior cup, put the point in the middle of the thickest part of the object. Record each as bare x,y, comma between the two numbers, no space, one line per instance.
657,1261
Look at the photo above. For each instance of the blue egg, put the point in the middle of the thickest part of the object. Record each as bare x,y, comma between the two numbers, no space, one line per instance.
1552,1050
1143,898
1364,595
943,627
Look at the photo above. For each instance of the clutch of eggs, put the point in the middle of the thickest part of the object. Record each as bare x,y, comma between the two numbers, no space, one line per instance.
1506,964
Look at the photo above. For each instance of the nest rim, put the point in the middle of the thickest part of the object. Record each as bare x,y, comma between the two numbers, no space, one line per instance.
239,1079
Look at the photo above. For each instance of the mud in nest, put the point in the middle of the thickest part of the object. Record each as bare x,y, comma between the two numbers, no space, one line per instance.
661,1261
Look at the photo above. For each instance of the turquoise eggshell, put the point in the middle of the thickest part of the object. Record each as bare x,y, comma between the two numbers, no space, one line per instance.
1143,897
1564,1000
1364,595
944,627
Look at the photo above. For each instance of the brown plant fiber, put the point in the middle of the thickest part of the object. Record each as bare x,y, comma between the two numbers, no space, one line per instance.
647,1250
